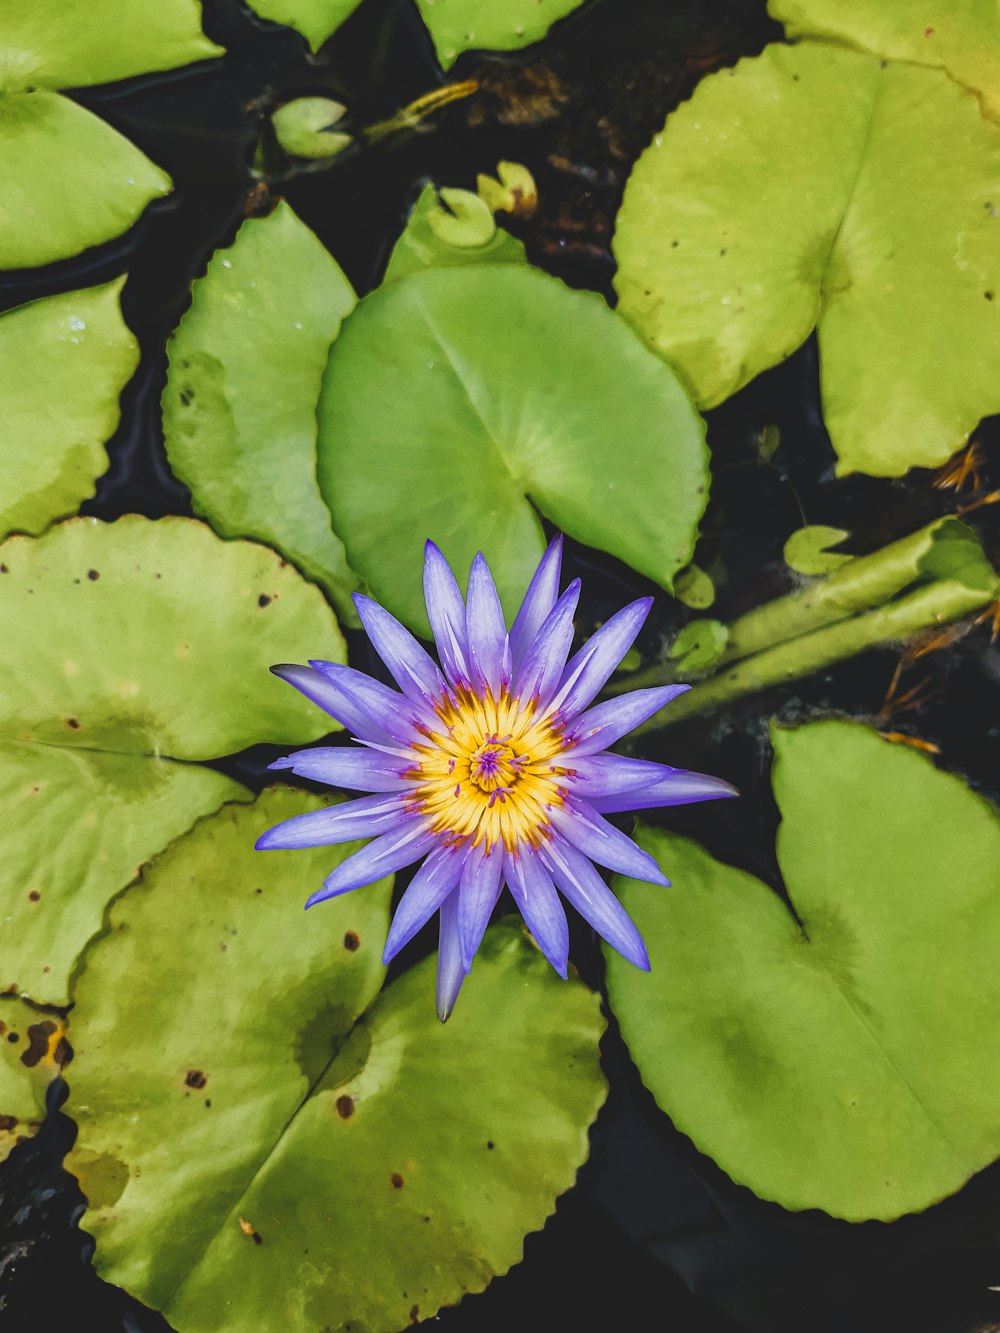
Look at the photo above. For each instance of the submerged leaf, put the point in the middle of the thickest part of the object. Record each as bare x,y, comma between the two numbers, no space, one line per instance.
490,393
849,1063
135,641
793,191
421,1154
63,362
245,442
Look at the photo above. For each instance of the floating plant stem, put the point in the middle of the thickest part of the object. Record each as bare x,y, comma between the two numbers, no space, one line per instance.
933,577
419,109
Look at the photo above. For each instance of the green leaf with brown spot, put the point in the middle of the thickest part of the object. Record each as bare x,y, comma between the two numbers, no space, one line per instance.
298,1151
133,647
842,1052
960,36
63,362
244,442
792,192
32,1052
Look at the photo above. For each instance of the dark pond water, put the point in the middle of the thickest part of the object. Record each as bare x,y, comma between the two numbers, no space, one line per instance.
653,1235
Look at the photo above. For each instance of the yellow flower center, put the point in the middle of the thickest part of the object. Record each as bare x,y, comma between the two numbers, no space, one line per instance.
488,773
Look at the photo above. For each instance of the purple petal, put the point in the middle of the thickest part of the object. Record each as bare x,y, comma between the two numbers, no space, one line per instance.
332,697
387,711
364,818
579,881
446,612
477,895
486,632
676,787
381,857
593,664
543,590
427,890
610,774
539,904
357,770
544,661
601,726
603,843
411,666
450,969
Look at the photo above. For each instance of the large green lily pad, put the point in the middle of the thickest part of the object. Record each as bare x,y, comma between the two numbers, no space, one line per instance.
271,1160
242,440
44,137
62,44
494,25
131,646
850,1062
316,20
960,36
63,362
489,393
793,191
31,1054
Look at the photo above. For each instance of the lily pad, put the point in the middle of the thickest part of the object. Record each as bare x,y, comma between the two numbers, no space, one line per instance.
421,1154
474,237
489,393
63,362
960,36
138,643
316,20
793,191
32,1051
699,646
807,550
62,44
244,443
44,137
694,587
843,1053
494,25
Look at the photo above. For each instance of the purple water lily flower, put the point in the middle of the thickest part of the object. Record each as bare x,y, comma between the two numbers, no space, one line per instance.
493,768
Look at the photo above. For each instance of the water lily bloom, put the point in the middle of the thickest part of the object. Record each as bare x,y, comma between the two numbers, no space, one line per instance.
493,768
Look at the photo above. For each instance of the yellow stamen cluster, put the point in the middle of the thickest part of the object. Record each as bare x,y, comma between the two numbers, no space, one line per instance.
489,773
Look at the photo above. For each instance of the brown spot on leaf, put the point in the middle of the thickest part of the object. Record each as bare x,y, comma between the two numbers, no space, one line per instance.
490,1144
195,1078
63,1052
38,1041
34,896
396,1180
345,1107
73,723
414,1314
13,1037
93,575
8,1123
263,600
352,940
